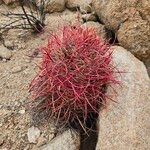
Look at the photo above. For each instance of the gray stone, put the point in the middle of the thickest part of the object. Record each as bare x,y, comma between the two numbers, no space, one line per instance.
33,134
41,141
125,124
68,140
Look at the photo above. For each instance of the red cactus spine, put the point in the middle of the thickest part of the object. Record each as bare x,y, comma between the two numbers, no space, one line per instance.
75,70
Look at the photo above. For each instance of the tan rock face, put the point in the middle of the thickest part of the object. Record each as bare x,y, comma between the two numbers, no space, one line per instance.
144,7
115,12
131,18
134,35
68,140
109,12
125,125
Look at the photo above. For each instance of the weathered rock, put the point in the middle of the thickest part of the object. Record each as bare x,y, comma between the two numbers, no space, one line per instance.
131,18
100,29
108,12
83,5
114,12
33,134
55,6
68,140
134,35
5,53
143,7
126,125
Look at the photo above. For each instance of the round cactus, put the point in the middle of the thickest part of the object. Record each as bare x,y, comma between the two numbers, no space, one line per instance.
75,71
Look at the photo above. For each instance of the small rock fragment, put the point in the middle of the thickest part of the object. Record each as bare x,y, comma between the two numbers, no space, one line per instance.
22,111
33,134
4,60
89,17
68,140
16,69
85,6
41,141
5,53
9,44
50,137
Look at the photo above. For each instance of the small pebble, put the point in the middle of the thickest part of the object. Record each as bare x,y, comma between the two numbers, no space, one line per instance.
4,60
89,17
41,141
50,137
9,45
27,60
21,46
21,111
5,53
33,134
27,147
16,69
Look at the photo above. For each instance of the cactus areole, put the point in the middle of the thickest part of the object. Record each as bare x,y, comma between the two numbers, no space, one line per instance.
74,73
